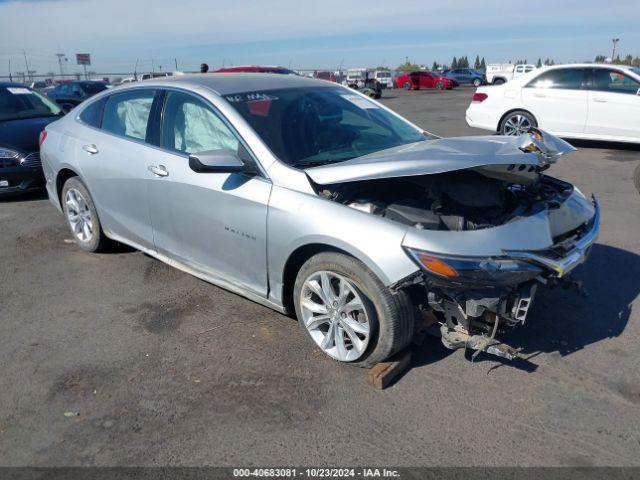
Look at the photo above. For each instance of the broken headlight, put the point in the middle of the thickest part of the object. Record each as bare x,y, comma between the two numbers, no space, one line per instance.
478,271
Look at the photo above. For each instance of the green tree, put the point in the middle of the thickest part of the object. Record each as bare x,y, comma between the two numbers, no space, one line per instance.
539,64
454,63
483,64
476,64
408,67
435,66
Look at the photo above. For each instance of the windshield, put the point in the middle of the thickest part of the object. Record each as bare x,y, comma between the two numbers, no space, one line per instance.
21,102
94,87
383,74
313,126
635,70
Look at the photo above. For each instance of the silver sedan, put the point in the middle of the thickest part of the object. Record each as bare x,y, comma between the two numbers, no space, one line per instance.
313,199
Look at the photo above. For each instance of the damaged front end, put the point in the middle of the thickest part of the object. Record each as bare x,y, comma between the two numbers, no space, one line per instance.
486,227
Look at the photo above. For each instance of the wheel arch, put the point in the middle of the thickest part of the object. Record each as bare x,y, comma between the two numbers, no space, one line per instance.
63,175
294,262
510,111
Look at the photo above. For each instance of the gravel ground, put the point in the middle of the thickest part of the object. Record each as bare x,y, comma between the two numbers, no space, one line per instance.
164,369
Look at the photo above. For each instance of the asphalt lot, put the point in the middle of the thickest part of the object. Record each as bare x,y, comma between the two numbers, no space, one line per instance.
164,369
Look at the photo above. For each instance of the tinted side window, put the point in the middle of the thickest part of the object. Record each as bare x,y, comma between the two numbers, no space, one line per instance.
127,113
190,126
614,81
92,115
565,78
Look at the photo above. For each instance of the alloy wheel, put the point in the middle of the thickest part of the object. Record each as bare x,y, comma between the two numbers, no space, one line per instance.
335,316
79,215
516,125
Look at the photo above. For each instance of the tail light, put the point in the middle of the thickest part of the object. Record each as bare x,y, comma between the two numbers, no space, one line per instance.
479,97
43,136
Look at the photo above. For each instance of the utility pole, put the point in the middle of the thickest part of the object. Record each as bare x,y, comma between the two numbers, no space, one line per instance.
26,63
10,78
61,57
176,61
613,53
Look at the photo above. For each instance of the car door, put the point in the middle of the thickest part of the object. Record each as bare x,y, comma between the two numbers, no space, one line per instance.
214,223
558,99
425,80
614,104
114,158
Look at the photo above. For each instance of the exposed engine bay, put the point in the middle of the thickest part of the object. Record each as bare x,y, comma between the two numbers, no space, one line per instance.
472,297
460,200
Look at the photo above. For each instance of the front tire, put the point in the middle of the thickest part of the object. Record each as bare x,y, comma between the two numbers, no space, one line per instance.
82,217
348,313
517,123
406,86
477,82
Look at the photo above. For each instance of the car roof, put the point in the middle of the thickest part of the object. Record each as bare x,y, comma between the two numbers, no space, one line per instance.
12,84
229,83
587,65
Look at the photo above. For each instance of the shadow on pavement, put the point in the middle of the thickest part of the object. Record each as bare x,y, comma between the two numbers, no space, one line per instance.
564,321
24,197
631,147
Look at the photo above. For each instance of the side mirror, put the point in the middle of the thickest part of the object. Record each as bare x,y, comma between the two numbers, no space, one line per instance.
216,161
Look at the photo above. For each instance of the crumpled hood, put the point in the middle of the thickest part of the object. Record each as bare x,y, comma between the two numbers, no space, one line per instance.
537,148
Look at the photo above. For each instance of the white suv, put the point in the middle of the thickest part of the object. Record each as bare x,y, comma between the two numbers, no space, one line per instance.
589,101
499,73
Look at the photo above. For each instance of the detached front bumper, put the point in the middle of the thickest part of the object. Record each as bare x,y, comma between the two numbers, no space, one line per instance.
471,315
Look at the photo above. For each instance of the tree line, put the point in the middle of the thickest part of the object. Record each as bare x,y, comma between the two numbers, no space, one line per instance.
628,60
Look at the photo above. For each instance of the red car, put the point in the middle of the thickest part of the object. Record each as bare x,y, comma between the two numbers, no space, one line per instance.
423,79
256,69
325,75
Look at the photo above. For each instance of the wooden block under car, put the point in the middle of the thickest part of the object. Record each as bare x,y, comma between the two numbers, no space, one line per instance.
382,374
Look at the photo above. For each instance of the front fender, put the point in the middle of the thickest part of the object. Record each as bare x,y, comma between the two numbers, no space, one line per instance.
296,219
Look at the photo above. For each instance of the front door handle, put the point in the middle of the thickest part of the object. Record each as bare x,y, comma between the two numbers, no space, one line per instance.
599,100
160,170
92,149
539,94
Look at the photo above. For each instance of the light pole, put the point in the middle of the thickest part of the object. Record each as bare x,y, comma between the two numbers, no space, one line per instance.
613,53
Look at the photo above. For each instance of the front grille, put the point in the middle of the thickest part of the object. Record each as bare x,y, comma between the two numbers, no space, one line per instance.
32,160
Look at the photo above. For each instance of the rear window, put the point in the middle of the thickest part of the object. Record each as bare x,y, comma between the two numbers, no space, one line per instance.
127,113
93,87
562,78
92,115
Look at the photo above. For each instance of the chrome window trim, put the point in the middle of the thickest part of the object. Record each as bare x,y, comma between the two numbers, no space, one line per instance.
158,89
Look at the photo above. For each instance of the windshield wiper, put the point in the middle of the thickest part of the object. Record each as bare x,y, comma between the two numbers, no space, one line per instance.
320,163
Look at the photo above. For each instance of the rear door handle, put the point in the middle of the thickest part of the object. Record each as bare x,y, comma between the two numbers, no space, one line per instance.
92,149
599,100
539,94
160,170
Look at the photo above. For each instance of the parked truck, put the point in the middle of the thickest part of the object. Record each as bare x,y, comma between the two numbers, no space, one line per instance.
499,73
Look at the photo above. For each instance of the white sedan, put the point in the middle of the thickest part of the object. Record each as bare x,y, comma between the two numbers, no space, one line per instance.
584,101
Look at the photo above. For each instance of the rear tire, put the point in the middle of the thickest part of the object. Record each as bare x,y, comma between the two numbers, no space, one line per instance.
498,81
406,86
439,86
383,324
82,217
517,123
477,82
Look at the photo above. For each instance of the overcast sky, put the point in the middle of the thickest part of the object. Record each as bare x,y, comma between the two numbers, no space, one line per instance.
308,34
